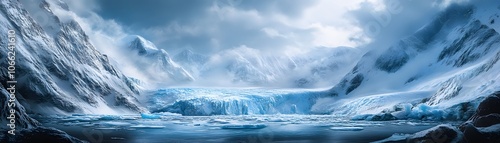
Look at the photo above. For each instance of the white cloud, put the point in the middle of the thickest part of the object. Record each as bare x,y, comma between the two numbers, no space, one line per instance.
329,36
231,13
223,26
273,33
325,23
446,3
328,24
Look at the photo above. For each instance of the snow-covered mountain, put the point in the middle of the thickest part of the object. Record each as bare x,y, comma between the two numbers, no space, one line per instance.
442,71
449,63
248,65
191,61
244,66
154,64
322,66
57,69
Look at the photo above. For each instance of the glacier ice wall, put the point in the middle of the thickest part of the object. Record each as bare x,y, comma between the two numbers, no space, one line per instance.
208,101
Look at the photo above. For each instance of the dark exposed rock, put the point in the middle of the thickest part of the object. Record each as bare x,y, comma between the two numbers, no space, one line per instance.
489,105
302,82
355,82
482,127
487,120
471,134
22,119
438,134
411,79
487,116
392,60
466,46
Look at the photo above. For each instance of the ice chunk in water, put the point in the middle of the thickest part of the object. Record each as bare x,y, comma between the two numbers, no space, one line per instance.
347,128
78,118
394,138
277,120
107,128
147,127
111,123
110,117
257,126
150,116
217,121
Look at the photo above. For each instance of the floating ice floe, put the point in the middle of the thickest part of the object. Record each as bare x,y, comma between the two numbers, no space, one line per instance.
218,121
107,128
278,120
150,116
110,117
257,126
147,127
80,119
346,128
394,138
113,123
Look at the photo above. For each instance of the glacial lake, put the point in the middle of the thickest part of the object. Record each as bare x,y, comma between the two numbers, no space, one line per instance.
172,128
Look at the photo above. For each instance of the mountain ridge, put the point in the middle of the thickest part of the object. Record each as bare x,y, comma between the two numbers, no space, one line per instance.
449,57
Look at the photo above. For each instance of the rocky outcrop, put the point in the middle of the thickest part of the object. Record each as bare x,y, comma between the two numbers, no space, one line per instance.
482,127
438,134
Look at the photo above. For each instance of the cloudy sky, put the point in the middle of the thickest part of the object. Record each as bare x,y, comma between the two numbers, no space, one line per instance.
209,26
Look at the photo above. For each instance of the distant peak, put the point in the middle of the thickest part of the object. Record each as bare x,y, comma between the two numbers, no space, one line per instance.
186,52
141,44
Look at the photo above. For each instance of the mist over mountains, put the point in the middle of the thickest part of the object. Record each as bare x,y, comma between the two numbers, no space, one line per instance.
441,71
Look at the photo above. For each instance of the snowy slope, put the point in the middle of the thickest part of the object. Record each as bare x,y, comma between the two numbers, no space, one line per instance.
58,70
191,61
453,60
244,66
321,66
442,71
154,64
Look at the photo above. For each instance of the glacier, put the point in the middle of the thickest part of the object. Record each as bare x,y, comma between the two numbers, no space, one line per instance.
442,73
433,74
231,101
444,81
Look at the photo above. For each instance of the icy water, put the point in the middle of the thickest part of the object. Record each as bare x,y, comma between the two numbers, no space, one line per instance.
165,128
